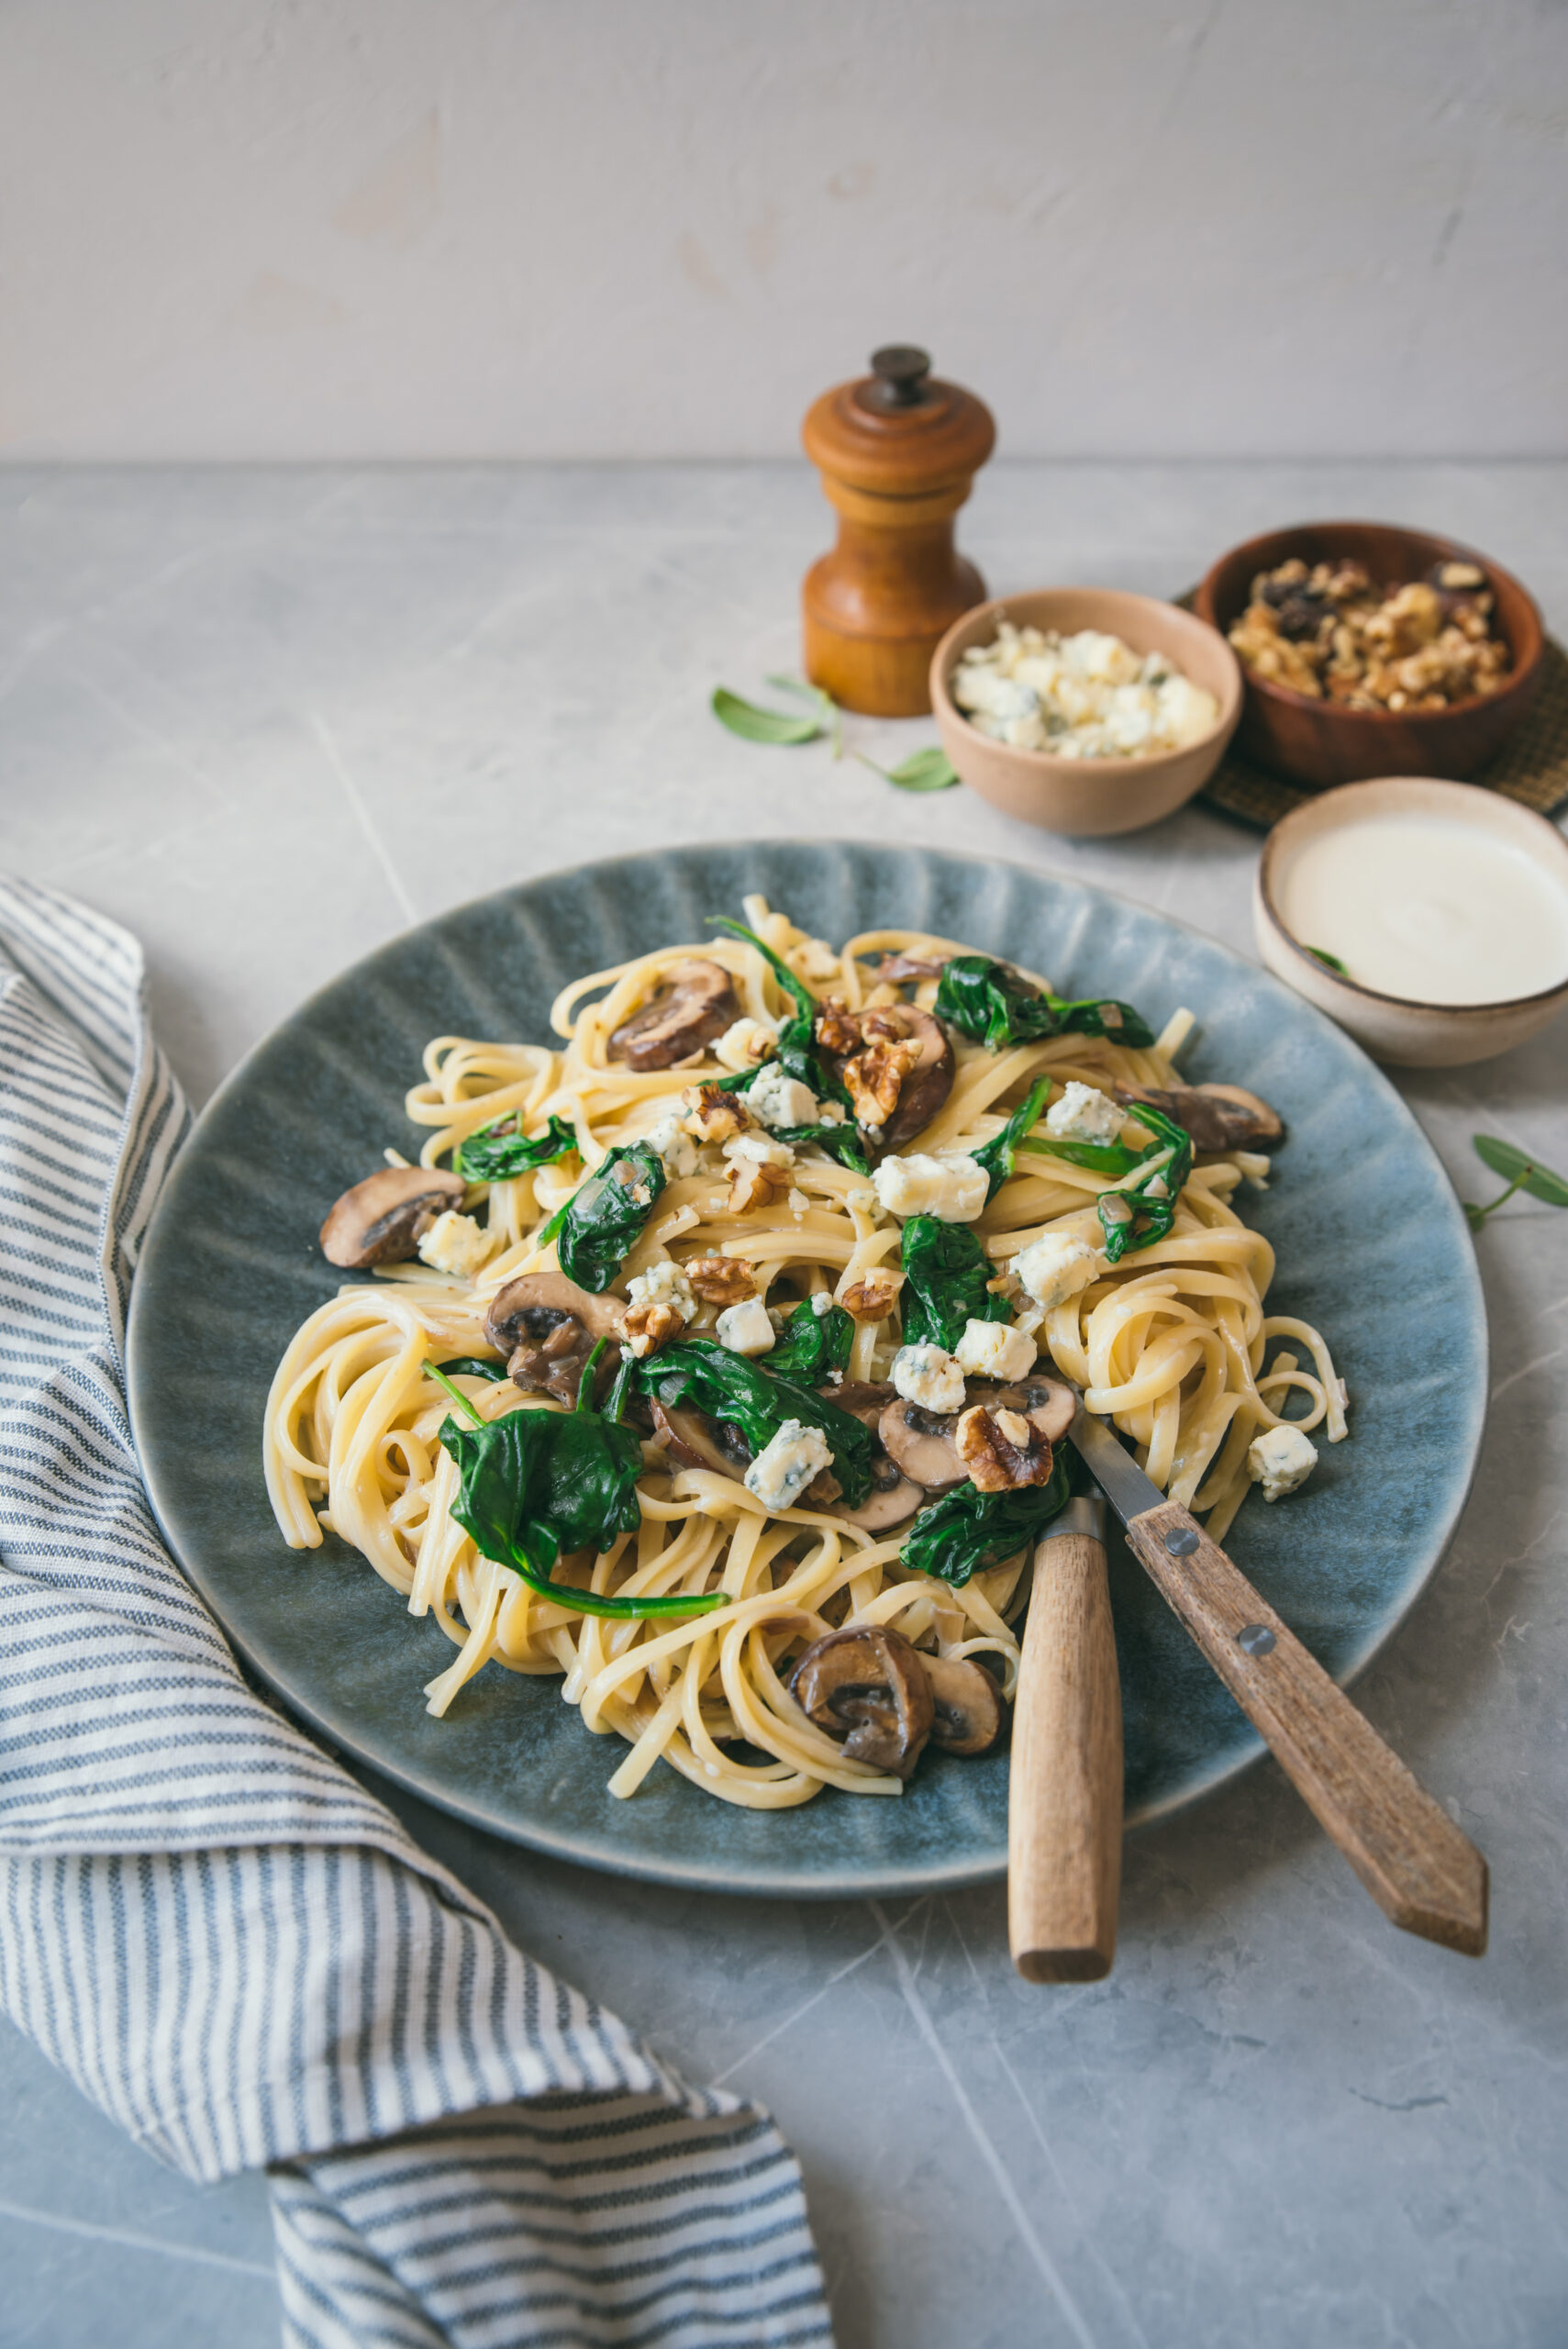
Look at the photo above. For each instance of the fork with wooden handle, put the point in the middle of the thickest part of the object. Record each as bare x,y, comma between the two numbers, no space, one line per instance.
1422,1870
1065,1786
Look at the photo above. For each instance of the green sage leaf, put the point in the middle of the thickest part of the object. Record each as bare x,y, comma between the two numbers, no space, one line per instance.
927,769
1517,1166
756,725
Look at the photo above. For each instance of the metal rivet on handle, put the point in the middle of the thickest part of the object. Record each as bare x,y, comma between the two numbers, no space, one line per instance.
1182,1540
1256,1638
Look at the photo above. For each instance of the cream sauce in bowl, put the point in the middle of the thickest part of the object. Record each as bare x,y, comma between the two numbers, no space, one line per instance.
1428,908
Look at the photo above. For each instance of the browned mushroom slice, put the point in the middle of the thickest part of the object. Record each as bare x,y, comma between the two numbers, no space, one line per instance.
867,1687
892,1498
1046,1403
867,1398
966,1704
892,1040
380,1222
547,1327
922,1444
694,1440
1218,1117
696,1003
905,970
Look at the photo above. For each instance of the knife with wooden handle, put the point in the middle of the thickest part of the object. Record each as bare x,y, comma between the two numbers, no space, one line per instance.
1064,1784
1421,1869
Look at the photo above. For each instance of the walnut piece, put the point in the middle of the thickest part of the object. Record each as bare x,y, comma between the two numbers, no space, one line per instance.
713,1115
753,1184
875,1077
648,1327
1330,632
838,1030
872,1299
721,1280
1001,1451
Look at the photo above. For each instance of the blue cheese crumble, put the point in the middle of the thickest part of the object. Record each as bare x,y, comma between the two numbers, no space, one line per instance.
1084,1114
931,1377
1281,1459
781,1471
1087,696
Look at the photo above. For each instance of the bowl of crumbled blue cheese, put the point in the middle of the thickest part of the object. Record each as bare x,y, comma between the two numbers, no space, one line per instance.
1084,710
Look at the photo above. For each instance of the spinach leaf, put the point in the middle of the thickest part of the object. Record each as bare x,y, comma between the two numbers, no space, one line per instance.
967,1529
536,1484
473,1366
500,1152
799,993
996,1155
700,1373
811,1345
945,1275
599,1224
990,1003
1137,1217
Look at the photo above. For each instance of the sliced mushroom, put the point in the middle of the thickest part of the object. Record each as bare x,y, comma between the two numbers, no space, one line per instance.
695,1440
866,1398
921,1442
925,1086
696,1003
903,970
381,1221
547,1327
888,1504
1046,1403
966,1704
1218,1117
867,1687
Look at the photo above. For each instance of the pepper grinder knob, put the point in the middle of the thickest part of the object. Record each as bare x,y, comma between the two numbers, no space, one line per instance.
898,377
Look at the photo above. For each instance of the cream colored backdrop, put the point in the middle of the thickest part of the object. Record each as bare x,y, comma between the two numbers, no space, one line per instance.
287,229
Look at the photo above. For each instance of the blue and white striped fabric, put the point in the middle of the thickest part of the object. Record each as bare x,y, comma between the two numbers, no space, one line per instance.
212,1928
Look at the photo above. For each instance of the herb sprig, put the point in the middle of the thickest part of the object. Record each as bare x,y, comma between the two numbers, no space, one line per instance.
1521,1173
925,770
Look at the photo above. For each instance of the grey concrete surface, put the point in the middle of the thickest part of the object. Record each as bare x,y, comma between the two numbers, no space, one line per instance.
266,718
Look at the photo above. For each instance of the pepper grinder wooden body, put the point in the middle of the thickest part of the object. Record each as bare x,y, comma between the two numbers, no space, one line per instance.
898,452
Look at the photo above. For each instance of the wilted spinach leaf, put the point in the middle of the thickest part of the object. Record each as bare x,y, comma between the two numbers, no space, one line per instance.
1138,1216
535,1486
500,1152
473,1366
996,1155
799,1057
810,1344
990,1003
945,1275
599,1224
967,1529
698,1372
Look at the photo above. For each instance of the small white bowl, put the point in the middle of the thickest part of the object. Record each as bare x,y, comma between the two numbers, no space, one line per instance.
1392,1028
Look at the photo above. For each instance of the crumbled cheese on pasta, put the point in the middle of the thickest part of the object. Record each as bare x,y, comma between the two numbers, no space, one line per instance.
455,1244
1281,1459
783,1468
760,1148
1055,1267
930,1377
677,1151
745,1042
994,1349
779,1099
1084,1114
952,1189
746,1328
663,1284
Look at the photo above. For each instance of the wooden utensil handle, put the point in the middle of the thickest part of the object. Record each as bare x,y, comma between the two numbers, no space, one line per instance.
1064,1798
1418,1865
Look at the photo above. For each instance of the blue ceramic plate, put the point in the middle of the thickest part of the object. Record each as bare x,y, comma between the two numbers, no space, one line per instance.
1371,1246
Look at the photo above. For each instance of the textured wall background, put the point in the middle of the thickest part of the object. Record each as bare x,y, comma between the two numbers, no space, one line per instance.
235,228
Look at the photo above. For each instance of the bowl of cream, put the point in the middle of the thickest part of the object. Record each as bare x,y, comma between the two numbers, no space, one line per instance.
1428,918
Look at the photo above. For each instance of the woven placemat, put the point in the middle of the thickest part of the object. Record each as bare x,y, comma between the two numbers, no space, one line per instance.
1532,766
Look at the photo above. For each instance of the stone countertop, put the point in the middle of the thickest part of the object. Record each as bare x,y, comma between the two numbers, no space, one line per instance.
267,718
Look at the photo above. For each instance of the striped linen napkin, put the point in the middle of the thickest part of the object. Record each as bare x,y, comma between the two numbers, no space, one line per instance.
212,1928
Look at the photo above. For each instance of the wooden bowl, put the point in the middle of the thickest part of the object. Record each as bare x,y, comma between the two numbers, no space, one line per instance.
1317,743
1398,1029
1084,796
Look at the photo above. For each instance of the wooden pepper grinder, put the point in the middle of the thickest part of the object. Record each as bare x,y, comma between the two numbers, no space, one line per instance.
897,452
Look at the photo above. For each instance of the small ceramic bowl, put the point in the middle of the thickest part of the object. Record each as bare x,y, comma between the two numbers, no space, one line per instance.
1320,744
1088,795
1394,1028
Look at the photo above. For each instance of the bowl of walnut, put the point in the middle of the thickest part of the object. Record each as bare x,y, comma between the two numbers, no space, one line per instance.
1368,650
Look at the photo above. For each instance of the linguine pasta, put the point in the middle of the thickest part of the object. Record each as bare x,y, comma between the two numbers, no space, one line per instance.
1172,1344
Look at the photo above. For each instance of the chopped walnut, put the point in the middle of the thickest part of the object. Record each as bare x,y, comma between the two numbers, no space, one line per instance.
714,1115
1001,1451
648,1327
754,1184
721,1280
1329,633
875,1078
838,1029
873,1298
